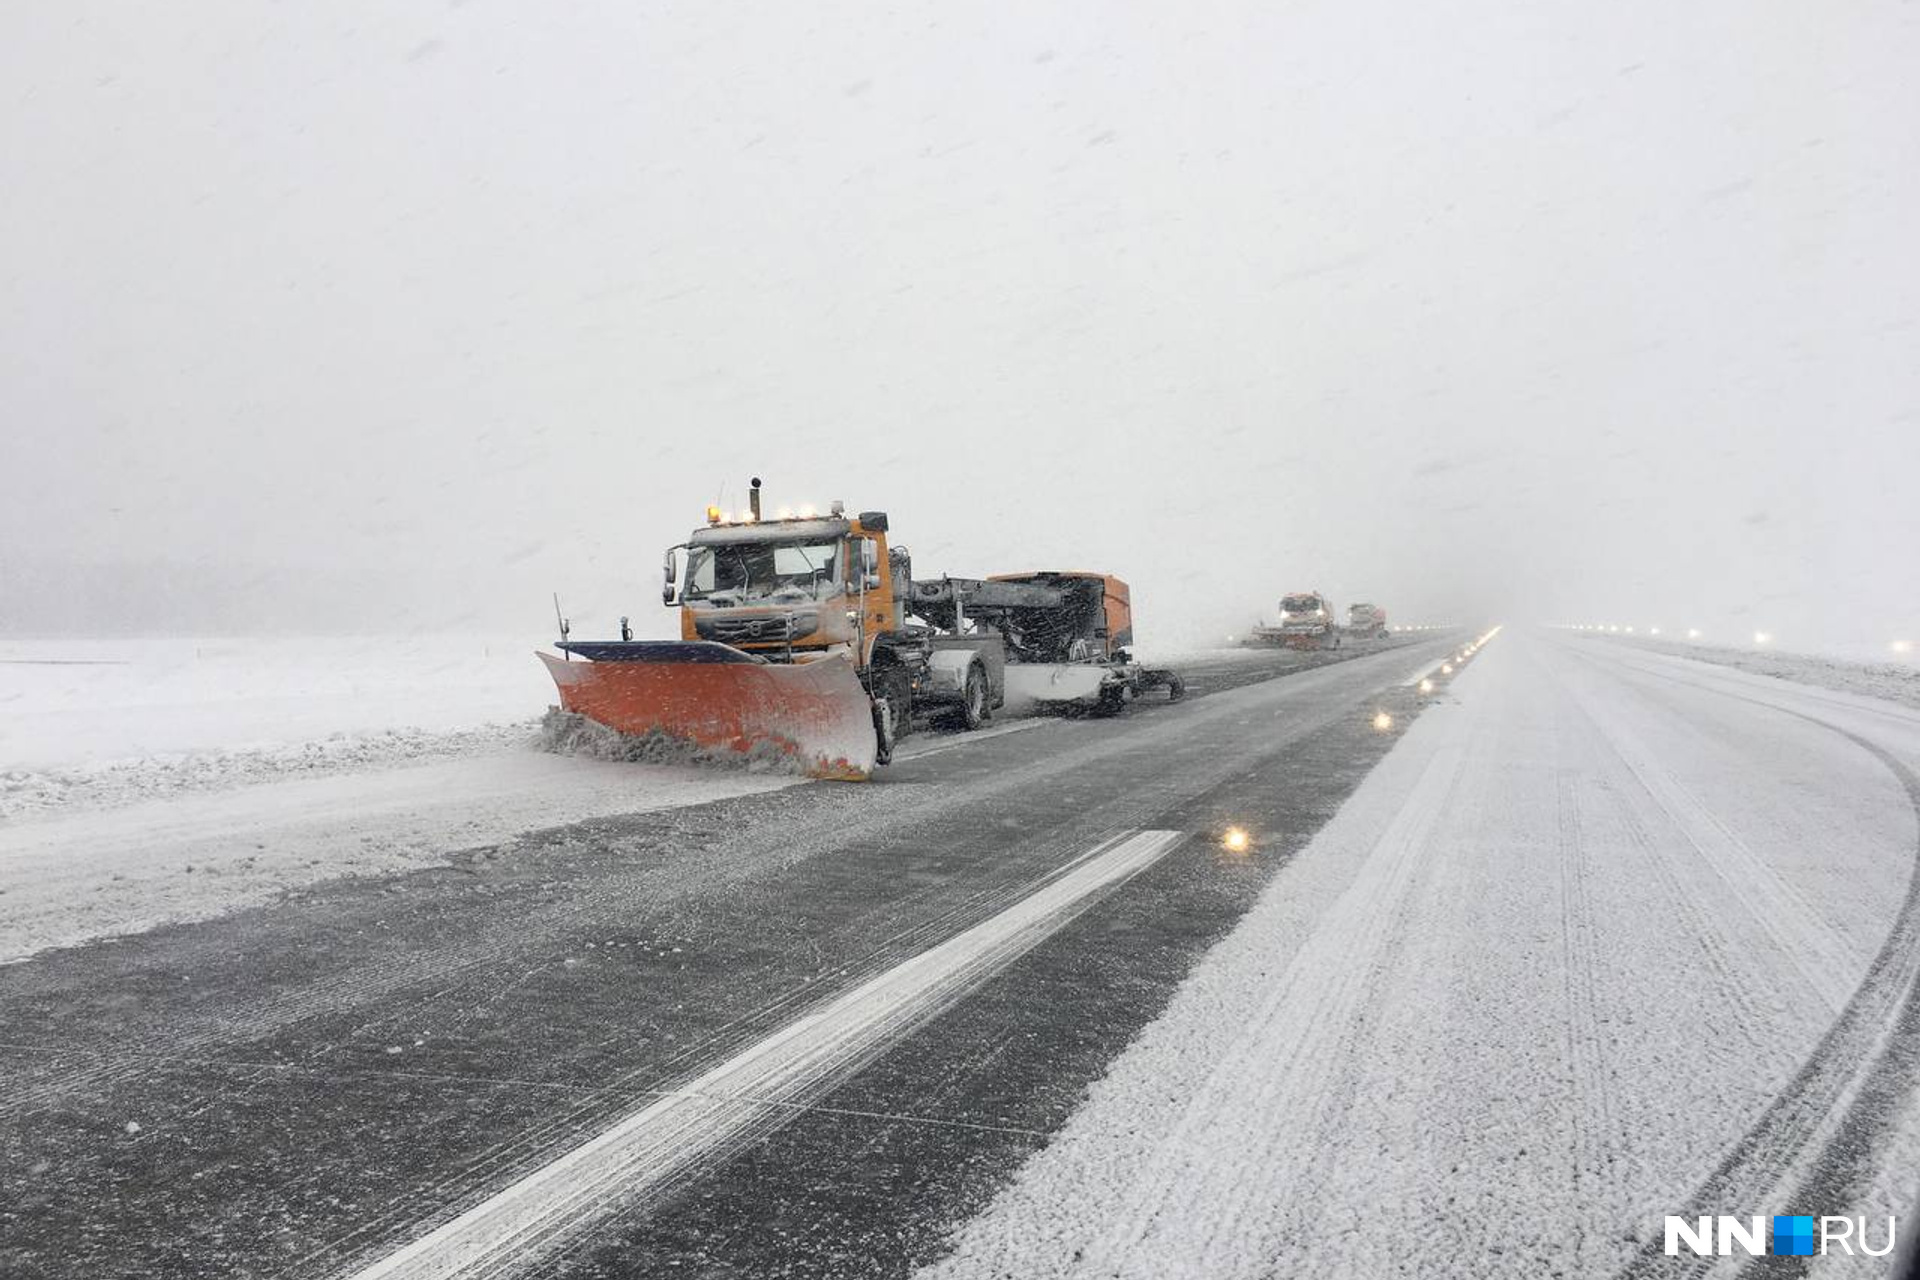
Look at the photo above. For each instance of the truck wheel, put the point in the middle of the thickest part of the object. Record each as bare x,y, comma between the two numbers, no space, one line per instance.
973,699
882,732
971,711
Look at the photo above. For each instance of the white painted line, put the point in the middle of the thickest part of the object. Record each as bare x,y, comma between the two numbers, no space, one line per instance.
515,1226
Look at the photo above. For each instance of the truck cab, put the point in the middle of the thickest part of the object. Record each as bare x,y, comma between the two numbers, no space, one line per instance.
1306,612
1366,620
1307,621
791,588
798,588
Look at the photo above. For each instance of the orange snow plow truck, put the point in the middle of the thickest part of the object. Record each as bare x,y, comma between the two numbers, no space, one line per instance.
1366,621
1306,622
805,639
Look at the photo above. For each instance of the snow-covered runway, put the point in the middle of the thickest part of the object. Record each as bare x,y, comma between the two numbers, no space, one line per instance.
1561,956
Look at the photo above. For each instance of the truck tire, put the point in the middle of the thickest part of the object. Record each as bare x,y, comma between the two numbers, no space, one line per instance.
971,711
974,698
883,735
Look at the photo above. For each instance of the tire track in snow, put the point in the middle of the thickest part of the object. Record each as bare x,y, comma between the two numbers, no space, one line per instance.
1845,1163
1864,1058
1799,930
1630,807
1332,977
1588,1086
1727,677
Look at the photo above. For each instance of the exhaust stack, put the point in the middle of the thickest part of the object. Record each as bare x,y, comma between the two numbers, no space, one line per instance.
753,499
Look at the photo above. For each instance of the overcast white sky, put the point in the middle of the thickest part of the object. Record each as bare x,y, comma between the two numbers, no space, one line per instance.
386,314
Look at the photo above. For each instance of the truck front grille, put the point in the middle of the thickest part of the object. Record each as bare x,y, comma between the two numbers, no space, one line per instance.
762,629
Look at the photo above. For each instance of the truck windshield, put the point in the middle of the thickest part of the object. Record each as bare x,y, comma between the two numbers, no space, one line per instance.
1300,604
733,573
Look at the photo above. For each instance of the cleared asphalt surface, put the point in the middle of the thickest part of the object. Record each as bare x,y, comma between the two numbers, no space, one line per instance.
815,1029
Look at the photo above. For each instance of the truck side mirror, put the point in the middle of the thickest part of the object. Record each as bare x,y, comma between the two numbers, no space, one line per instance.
672,567
869,564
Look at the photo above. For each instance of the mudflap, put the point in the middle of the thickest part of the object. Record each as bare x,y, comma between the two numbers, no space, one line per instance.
814,714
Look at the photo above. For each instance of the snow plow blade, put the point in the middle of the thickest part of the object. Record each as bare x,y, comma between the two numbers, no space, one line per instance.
815,714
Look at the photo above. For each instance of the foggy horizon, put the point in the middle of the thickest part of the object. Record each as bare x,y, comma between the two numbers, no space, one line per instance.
381,319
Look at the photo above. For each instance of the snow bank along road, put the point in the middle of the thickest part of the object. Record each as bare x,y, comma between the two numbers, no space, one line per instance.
1598,936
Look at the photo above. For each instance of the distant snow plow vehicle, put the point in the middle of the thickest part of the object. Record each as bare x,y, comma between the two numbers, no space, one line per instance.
1367,621
1306,622
797,643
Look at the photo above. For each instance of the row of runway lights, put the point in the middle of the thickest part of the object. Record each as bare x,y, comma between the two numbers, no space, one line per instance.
1383,721
1233,637
1761,639
1238,840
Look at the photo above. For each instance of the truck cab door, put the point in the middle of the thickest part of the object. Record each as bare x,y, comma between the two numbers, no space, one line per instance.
874,576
